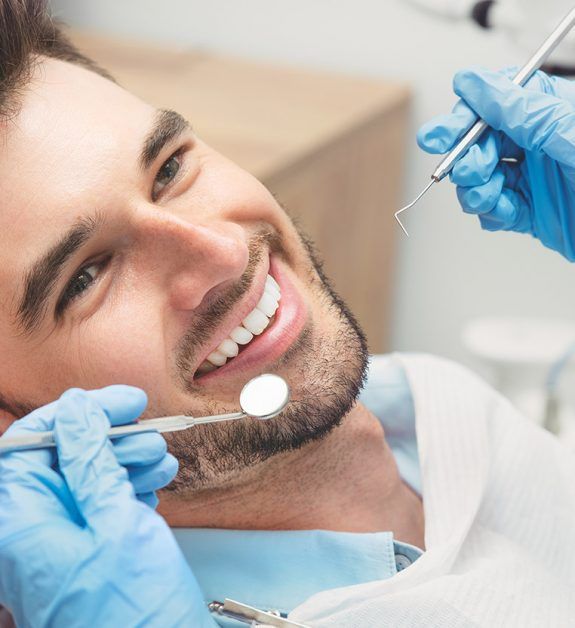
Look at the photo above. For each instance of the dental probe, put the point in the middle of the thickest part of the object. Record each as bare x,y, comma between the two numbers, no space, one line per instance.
263,397
477,130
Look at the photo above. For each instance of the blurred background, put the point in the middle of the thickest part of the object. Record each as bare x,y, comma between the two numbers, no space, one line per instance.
500,303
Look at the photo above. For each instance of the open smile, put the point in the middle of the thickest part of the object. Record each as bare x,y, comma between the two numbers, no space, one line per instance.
264,333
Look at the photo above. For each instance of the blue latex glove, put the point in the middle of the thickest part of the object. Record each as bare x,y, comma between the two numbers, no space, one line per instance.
536,126
145,456
77,547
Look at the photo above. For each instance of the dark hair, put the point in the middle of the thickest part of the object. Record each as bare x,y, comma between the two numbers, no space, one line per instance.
28,31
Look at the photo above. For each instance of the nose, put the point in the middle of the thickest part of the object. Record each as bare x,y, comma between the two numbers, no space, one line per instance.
190,259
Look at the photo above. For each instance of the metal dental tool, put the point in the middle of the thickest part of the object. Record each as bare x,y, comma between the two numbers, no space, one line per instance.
263,398
477,130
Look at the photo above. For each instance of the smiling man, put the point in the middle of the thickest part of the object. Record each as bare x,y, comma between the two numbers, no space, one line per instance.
133,253
136,254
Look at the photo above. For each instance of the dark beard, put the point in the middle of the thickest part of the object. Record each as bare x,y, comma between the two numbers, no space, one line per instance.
334,371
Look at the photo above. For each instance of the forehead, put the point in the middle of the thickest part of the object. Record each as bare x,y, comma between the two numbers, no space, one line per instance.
67,112
74,133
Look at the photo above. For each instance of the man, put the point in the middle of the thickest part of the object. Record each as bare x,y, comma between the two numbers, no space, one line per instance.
134,254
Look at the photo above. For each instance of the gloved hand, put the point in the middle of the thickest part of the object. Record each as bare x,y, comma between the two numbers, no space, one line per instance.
145,456
77,547
534,125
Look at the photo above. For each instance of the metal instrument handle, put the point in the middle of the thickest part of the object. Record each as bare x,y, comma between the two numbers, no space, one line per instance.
42,440
526,72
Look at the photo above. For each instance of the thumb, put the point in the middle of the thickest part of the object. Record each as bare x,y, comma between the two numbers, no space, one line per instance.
97,482
121,404
440,134
534,120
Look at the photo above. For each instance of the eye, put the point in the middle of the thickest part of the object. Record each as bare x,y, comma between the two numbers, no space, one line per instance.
79,284
166,174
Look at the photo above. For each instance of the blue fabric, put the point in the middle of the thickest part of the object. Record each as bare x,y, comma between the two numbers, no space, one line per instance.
281,569
388,396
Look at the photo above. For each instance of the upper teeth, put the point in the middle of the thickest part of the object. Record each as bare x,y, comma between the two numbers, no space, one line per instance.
252,325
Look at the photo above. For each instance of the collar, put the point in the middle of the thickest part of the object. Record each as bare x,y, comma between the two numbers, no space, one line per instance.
279,570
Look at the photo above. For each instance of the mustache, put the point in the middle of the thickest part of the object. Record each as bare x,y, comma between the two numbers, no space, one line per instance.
206,323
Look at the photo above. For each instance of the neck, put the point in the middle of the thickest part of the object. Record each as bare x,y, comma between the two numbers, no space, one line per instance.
346,482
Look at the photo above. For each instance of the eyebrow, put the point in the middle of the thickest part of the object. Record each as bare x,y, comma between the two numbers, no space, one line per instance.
46,271
167,126
39,281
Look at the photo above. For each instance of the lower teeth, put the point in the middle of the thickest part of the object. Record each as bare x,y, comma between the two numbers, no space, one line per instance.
207,367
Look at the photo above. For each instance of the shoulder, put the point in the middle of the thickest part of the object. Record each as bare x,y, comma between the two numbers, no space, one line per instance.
387,391
391,370
432,368
386,375
393,378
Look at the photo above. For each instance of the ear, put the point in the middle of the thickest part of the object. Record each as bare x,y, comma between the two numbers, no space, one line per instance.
6,420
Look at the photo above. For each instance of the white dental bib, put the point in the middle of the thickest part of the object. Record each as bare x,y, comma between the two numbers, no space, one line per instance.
499,501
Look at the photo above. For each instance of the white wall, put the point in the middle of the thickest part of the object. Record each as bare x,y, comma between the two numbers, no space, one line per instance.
448,270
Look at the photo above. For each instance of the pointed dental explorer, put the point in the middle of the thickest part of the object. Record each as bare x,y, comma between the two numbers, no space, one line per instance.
477,130
411,205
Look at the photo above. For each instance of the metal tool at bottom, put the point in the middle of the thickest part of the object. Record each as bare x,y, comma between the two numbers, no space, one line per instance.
251,615
477,130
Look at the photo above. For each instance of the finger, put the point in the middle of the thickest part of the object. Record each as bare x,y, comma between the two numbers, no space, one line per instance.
555,85
41,420
122,404
481,199
140,449
479,163
534,120
95,478
489,223
155,476
511,213
440,135
150,499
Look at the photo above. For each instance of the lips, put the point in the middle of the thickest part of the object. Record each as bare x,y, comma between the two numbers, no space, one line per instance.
251,326
281,319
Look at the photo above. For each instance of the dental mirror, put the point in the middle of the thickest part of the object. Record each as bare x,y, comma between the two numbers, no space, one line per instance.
265,396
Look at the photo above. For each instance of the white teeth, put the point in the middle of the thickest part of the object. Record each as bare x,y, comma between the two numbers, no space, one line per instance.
268,304
252,325
256,321
229,348
241,335
206,367
217,358
272,286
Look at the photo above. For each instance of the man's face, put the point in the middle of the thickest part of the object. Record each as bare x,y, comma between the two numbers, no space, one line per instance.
130,251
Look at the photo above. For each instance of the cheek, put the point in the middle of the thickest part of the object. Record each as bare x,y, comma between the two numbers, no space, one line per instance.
235,194
125,350
244,200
